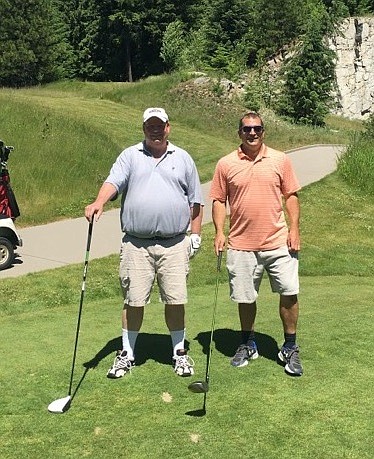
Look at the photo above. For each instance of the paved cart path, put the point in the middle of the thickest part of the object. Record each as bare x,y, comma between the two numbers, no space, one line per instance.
62,243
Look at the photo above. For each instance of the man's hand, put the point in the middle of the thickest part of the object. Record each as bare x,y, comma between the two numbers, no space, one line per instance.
195,243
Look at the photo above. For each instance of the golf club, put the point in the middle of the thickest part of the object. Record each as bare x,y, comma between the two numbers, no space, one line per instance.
202,387
63,404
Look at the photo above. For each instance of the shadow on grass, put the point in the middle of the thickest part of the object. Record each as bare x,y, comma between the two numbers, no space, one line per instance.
111,346
79,384
152,346
227,341
158,347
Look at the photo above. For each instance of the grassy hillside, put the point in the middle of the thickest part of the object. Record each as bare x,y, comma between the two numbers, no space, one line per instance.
67,135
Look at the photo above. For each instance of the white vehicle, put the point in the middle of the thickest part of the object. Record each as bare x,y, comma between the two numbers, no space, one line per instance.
9,241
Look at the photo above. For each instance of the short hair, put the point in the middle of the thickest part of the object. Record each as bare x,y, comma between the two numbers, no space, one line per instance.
250,115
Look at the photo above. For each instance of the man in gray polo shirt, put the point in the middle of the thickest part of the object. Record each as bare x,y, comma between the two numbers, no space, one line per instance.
161,200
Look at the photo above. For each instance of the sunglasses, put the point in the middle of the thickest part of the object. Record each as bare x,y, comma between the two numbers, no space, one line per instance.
248,129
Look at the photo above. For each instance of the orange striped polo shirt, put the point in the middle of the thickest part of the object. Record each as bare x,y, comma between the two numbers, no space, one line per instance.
254,190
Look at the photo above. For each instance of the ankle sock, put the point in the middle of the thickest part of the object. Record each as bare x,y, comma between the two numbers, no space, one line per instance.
248,337
289,340
177,340
128,342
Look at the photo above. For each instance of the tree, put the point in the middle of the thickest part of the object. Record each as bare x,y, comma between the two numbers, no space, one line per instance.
278,23
126,20
228,28
84,20
32,38
137,31
124,40
173,44
352,7
310,75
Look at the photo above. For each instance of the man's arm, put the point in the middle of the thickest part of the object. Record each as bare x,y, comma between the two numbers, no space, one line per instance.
195,228
292,207
196,218
106,192
219,218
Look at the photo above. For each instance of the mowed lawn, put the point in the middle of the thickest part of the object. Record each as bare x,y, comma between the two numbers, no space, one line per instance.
257,411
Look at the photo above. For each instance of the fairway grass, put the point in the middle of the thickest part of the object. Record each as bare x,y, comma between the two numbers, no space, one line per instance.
256,411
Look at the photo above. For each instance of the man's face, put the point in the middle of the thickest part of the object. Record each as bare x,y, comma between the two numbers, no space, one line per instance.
251,133
156,131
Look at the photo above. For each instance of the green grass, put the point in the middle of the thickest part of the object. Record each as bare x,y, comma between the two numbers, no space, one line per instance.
357,164
337,224
326,413
255,412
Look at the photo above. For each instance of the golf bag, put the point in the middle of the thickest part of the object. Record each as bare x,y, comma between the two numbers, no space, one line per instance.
8,202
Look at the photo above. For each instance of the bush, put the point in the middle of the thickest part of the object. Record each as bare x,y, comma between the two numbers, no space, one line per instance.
172,45
356,165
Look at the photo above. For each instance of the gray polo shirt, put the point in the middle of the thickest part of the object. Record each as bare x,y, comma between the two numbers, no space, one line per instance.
156,195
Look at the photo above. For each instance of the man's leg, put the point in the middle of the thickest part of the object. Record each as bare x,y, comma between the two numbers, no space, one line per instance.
247,317
174,318
289,353
289,313
132,319
248,349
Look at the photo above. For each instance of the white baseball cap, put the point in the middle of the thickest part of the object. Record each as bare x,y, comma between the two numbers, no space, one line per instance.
157,112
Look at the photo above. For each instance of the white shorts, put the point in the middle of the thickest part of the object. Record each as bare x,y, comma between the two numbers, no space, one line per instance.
144,260
246,270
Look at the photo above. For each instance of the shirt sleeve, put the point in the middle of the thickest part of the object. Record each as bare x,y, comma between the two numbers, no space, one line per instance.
290,183
119,173
218,189
195,194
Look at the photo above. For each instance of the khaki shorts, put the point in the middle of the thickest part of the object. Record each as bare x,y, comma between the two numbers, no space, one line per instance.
246,270
142,261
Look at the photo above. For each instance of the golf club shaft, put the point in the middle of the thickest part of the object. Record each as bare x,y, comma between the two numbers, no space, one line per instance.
210,350
89,237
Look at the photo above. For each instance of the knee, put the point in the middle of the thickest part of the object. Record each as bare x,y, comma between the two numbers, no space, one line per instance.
289,301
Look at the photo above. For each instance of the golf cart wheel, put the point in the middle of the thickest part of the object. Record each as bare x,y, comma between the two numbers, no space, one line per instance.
6,253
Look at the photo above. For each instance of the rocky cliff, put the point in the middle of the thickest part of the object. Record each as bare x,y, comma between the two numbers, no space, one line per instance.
354,48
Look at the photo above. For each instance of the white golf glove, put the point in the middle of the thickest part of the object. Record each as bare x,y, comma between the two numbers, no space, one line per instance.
195,243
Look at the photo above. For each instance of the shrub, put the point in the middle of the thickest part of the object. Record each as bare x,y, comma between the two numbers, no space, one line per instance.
356,165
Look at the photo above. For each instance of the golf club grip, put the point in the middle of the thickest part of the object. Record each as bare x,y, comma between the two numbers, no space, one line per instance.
89,237
90,227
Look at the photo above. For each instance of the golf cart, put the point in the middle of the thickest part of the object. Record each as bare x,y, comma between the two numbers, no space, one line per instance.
9,240
9,211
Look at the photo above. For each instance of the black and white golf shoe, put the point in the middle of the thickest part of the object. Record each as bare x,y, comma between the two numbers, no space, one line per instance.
121,366
183,364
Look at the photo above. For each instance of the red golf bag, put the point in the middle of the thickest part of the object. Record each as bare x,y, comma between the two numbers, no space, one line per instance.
8,202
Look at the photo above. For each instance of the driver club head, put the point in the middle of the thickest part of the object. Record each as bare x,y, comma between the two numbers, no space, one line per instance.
199,387
60,405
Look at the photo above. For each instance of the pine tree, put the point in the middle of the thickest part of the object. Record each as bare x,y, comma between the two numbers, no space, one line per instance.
30,43
310,75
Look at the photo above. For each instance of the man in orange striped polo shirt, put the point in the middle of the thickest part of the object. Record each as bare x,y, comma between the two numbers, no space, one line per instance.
260,186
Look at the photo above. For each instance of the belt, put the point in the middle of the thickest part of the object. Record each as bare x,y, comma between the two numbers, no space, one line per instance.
155,238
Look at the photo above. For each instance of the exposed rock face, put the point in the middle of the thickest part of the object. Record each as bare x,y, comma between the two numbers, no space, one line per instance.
354,48
355,67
